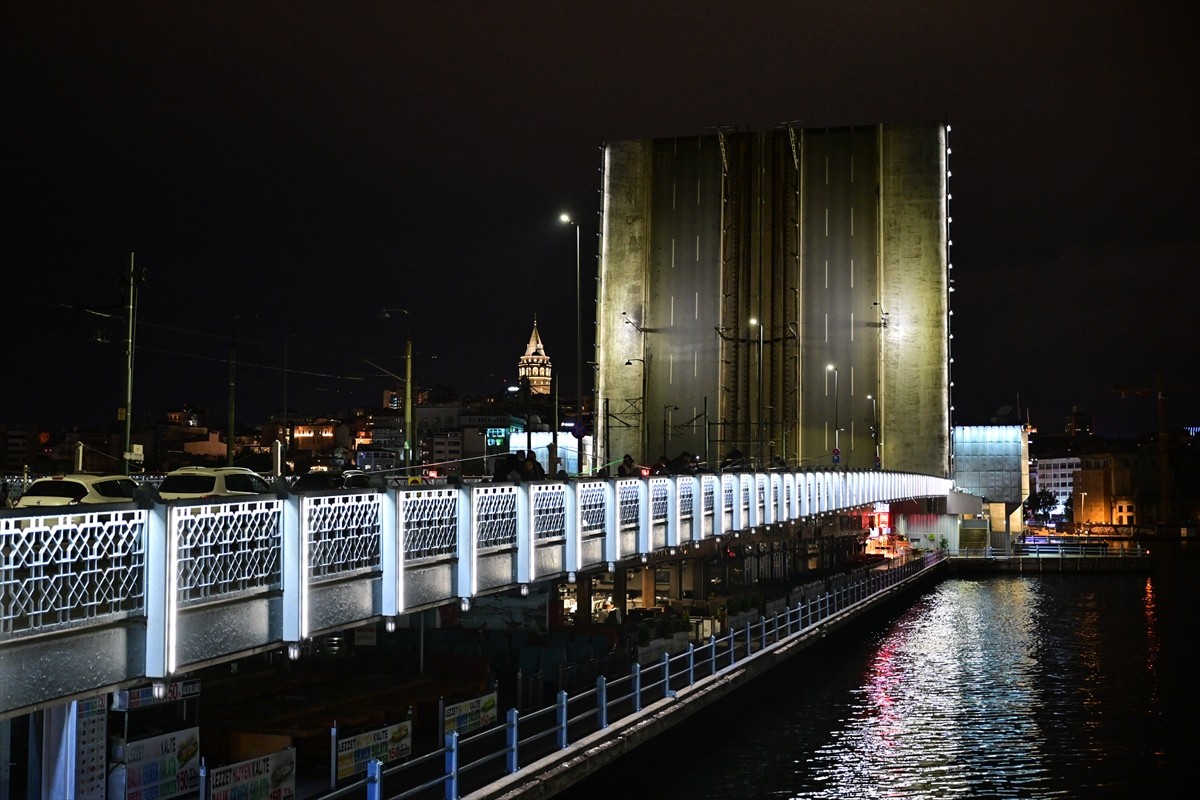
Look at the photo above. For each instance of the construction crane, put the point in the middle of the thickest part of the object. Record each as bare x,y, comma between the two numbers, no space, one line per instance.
1164,446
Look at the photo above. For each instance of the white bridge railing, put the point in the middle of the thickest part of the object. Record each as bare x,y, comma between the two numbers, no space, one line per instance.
170,570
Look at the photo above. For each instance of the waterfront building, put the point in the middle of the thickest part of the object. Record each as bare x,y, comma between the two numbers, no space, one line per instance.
1057,476
992,462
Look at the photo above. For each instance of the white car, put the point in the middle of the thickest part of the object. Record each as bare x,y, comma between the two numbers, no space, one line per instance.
67,490
189,483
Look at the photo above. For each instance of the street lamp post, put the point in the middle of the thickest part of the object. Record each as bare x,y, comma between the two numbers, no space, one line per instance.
386,314
233,384
287,439
666,408
1082,508
875,428
578,326
131,323
837,450
644,442
761,436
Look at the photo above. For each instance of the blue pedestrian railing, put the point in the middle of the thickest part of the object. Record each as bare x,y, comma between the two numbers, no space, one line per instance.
522,739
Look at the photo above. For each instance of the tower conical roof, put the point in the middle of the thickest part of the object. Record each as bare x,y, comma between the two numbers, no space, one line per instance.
535,348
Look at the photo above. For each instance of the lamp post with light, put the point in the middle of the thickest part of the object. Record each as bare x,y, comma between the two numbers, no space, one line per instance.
668,407
578,325
386,314
233,383
837,450
645,433
761,436
875,428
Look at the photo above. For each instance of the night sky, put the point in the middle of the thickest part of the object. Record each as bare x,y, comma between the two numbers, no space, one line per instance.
303,165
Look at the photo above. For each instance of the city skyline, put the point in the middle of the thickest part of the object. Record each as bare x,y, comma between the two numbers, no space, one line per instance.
313,166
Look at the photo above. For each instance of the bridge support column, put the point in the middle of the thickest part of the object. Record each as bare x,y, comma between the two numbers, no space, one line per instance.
648,600
583,598
696,579
675,571
620,583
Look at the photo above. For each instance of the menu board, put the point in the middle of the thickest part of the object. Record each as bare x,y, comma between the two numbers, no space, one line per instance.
164,766
471,715
385,744
91,745
270,777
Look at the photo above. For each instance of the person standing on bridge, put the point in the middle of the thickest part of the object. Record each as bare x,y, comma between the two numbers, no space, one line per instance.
627,469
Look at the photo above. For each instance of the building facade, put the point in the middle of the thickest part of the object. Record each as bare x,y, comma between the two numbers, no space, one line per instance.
1057,476
778,295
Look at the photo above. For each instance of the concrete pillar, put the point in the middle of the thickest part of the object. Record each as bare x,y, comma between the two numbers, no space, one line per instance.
648,587
584,585
675,590
555,615
620,581
696,579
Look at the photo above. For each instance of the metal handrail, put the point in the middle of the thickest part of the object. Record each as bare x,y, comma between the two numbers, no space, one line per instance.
674,672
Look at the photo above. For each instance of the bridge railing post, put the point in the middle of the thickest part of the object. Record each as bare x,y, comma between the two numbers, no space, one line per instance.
374,779
636,677
562,719
512,736
601,702
451,762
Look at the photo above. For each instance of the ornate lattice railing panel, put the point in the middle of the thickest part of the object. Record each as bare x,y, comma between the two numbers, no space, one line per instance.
708,493
591,507
496,517
628,504
686,499
227,549
61,571
660,490
549,510
430,523
343,533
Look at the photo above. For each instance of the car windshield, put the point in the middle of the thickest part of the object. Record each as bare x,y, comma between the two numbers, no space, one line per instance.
251,484
316,480
187,484
120,488
68,489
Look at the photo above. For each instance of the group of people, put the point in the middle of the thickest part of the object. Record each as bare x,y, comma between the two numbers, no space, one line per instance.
683,464
518,467
524,466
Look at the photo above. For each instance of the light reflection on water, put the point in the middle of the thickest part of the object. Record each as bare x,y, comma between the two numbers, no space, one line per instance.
998,687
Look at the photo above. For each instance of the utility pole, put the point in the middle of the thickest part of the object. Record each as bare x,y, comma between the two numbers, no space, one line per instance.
132,280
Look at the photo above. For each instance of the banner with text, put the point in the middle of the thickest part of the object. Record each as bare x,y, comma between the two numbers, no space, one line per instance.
270,777
386,744
163,766
471,715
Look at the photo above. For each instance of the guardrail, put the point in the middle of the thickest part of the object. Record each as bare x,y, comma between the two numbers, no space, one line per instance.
525,738
1120,549
318,561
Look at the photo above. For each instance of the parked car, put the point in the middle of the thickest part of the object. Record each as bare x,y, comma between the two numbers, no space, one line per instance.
66,490
188,483
326,480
